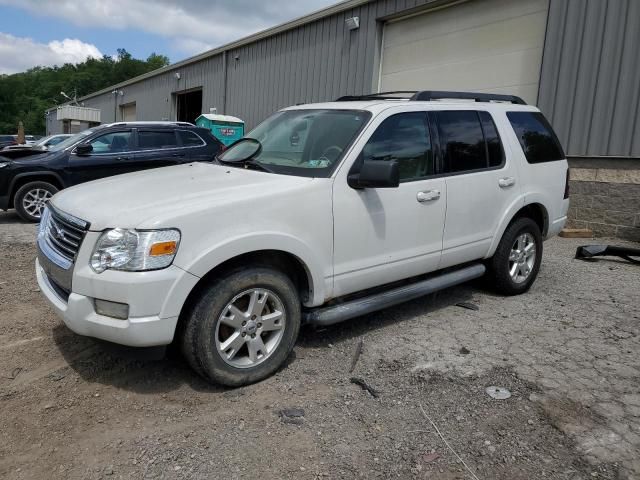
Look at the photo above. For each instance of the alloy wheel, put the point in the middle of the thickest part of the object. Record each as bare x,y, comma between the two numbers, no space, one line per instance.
522,258
34,201
250,328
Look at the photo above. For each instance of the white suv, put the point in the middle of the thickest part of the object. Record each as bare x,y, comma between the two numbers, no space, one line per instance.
323,213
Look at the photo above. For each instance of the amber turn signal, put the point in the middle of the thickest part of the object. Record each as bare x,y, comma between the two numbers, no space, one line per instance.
163,248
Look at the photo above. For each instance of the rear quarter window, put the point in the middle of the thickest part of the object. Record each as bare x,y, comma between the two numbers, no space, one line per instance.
536,137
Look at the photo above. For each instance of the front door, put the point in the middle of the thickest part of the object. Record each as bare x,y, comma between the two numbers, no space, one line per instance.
386,234
110,155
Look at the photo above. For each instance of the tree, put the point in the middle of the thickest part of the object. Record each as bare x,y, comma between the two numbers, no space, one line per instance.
26,96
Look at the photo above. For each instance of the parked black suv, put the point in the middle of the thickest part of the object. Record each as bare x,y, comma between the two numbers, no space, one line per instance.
27,183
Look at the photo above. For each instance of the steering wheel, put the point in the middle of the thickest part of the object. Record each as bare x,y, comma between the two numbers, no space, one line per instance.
331,153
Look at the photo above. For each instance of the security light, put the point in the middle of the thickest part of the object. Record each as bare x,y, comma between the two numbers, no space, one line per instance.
353,23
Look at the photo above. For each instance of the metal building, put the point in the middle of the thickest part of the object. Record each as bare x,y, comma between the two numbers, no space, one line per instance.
576,59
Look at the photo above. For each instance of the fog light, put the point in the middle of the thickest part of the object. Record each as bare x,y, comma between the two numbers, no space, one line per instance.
112,309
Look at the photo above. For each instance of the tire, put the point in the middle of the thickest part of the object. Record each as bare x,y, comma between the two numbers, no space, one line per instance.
30,199
509,258
221,348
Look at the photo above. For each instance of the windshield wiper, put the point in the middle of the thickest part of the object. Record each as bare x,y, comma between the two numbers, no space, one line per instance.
248,164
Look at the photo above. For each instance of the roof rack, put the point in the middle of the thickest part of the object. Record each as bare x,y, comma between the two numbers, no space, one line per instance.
376,96
153,122
429,95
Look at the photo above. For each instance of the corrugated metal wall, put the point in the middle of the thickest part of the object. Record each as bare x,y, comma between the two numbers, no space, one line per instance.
589,85
315,62
154,96
590,79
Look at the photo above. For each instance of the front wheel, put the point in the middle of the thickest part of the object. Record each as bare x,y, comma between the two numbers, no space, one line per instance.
515,265
243,327
31,198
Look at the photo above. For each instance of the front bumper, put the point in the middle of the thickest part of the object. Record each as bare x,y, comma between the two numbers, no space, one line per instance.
155,300
556,227
79,315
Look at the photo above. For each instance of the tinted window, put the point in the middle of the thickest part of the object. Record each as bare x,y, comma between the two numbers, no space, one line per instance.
112,142
462,141
405,138
149,139
189,139
494,145
536,136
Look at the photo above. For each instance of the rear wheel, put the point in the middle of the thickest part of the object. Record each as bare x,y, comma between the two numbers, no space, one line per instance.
243,327
515,265
31,198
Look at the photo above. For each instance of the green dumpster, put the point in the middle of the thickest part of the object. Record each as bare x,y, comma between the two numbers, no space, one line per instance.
225,128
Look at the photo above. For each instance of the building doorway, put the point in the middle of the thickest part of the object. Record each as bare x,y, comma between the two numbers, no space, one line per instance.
189,106
128,112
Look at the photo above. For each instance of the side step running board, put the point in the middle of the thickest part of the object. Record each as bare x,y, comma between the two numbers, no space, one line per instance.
362,306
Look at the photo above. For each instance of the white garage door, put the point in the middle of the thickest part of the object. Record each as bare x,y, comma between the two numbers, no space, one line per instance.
129,112
480,45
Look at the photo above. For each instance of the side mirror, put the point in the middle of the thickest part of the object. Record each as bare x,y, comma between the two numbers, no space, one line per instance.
84,149
376,174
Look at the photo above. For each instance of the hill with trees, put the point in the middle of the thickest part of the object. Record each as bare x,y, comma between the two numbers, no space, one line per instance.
26,96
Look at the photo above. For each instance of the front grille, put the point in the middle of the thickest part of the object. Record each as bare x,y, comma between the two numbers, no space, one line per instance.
63,233
62,292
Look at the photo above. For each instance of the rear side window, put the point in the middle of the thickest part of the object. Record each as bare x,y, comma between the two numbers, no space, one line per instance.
494,145
536,136
189,139
149,139
462,140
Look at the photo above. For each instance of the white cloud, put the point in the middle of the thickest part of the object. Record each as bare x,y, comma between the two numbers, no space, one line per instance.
18,54
191,46
209,22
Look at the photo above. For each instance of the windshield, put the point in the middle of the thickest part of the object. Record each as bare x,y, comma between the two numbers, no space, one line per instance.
306,143
42,141
72,140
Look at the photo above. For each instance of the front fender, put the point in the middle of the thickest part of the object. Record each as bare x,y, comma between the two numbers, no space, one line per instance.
320,285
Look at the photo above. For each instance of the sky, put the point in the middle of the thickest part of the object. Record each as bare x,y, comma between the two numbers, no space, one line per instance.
53,32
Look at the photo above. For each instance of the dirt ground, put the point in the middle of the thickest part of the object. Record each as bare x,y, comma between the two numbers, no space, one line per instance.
72,407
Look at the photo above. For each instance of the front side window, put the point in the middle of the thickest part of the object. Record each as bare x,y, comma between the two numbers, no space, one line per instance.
112,142
536,137
156,139
405,138
307,143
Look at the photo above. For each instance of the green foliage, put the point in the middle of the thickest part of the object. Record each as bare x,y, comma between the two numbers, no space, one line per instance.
26,96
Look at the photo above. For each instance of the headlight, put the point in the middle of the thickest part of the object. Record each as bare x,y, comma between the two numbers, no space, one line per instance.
4,164
135,250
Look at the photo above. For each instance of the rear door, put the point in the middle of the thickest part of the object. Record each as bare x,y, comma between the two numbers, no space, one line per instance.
157,148
195,148
482,183
111,154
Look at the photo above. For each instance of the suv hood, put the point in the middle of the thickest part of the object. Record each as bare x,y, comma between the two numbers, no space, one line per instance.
154,198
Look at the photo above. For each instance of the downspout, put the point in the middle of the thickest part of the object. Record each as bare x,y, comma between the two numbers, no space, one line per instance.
224,82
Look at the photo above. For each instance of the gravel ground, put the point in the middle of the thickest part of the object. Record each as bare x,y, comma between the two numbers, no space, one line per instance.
15,230
567,351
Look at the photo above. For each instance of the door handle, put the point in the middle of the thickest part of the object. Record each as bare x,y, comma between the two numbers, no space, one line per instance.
177,155
122,159
428,196
507,182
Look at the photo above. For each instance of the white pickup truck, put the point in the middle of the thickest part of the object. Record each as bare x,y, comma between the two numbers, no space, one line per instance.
323,213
